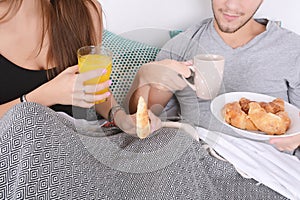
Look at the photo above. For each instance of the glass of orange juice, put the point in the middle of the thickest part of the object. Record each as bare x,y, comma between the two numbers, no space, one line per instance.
95,57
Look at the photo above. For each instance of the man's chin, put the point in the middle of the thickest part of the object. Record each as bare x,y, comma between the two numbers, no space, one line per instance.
228,29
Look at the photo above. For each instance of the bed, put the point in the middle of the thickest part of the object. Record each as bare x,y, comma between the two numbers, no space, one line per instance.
63,163
149,35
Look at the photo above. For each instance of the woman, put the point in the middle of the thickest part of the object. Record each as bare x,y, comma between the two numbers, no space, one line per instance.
43,156
38,56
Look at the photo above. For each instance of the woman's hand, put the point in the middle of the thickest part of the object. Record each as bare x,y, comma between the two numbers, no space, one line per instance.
127,123
68,89
286,143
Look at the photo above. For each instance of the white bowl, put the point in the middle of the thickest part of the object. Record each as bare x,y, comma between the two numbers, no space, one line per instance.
218,103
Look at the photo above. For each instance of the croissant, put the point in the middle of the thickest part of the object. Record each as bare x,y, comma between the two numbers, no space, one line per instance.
270,123
142,119
268,117
235,116
275,106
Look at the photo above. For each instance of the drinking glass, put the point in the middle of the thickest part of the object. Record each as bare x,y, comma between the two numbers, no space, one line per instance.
95,57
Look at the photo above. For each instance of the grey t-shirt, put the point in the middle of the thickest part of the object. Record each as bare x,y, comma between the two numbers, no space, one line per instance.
268,64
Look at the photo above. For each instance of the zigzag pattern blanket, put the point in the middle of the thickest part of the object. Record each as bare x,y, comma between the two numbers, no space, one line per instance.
43,156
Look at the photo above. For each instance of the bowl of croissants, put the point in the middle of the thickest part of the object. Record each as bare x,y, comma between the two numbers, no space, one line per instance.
256,116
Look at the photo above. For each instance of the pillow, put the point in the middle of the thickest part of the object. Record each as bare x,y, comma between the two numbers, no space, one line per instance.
173,33
128,56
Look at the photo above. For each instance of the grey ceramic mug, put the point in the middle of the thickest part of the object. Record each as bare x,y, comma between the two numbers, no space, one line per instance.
208,75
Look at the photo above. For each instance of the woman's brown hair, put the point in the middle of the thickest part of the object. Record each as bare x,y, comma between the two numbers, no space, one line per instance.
13,7
69,25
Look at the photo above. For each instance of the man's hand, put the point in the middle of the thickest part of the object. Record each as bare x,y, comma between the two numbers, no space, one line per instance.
286,143
127,123
163,75
156,82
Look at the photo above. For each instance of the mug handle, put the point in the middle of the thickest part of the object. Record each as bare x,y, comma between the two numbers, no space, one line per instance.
190,80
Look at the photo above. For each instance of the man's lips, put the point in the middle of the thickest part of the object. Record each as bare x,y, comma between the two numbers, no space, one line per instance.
230,16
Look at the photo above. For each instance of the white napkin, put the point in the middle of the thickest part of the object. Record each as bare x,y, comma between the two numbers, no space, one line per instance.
260,161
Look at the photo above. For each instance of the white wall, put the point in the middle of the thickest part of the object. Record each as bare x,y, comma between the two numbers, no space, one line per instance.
126,15
286,11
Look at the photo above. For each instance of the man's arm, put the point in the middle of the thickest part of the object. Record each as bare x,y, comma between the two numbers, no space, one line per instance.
156,82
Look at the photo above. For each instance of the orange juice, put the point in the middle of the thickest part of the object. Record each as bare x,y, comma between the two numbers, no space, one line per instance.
90,62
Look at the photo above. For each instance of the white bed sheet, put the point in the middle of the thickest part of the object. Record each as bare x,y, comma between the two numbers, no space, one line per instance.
260,161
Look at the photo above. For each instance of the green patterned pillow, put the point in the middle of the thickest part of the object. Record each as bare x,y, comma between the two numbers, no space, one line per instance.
174,33
128,56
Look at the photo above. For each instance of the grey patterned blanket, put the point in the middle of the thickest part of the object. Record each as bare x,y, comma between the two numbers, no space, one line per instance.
43,156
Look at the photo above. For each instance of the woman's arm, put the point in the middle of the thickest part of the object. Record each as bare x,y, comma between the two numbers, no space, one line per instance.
67,89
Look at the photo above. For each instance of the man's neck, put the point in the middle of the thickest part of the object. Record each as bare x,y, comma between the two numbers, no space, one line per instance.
242,36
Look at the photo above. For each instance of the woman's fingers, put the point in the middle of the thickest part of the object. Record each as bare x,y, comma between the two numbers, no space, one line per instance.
90,98
97,87
97,73
85,95
73,89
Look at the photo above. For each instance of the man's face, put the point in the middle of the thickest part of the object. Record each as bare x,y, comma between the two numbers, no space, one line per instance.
231,15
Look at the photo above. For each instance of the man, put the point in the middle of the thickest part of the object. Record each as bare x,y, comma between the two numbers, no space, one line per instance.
259,56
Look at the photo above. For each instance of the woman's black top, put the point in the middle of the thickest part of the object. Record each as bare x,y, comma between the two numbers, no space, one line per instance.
16,81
